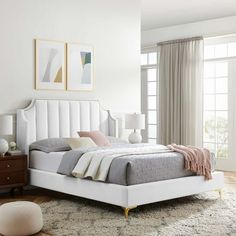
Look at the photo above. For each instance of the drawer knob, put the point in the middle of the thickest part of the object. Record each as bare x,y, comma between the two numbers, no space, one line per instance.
8,166
8,178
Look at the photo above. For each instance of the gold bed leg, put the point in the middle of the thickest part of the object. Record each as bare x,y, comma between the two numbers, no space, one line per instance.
127,209
220,191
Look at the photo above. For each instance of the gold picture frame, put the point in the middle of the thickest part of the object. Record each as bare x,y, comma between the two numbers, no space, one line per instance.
50,65
80,67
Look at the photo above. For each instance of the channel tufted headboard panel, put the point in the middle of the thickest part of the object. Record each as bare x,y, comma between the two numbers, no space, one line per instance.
61,118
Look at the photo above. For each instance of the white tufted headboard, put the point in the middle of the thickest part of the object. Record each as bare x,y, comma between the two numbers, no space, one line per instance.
61,118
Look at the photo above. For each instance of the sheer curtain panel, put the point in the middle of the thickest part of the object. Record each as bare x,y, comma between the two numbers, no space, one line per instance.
180,98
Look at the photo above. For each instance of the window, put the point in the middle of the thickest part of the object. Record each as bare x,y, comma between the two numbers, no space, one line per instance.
149,58
149,94
219,71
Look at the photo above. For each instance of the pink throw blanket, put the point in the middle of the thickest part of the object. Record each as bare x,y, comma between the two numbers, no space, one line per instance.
196,159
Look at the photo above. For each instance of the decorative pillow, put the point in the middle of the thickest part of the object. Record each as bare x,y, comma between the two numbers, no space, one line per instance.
50,145
83,142
98,137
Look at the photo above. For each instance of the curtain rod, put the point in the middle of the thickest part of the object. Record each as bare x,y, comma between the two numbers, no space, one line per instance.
152,45
181,40
148,46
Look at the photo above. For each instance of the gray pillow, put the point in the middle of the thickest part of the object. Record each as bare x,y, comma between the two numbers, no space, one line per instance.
50,145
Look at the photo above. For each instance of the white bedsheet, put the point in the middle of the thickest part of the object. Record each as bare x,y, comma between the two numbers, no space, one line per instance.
45,161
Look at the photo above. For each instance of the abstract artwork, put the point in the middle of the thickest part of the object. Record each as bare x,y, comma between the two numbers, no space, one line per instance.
79,67
50,65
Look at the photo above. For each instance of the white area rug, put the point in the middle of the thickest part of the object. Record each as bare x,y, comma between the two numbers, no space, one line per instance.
204,214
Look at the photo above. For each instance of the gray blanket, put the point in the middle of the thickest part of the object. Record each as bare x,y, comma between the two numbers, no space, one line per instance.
134,169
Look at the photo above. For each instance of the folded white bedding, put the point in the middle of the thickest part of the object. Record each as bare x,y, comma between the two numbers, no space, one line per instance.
96,164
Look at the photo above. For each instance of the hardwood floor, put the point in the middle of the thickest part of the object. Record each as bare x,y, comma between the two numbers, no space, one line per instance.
230,180
36,195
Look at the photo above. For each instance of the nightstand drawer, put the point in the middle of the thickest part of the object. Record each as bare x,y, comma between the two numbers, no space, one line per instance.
12,165
7,178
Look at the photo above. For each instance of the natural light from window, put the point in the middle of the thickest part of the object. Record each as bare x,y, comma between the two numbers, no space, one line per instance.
149,66
218,55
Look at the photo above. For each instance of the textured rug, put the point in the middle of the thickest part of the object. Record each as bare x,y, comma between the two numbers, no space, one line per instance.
204,214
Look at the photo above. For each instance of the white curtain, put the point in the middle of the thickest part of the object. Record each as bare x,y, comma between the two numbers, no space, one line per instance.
180,91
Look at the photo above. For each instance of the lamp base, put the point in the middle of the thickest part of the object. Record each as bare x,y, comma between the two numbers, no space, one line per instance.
135,137
3,147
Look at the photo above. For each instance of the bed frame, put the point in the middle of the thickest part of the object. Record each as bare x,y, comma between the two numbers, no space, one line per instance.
63,118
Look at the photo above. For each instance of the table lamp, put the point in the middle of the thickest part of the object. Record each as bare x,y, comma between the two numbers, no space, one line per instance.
6,128
136,122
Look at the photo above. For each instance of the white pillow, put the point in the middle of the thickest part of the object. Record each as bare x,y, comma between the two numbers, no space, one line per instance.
83,142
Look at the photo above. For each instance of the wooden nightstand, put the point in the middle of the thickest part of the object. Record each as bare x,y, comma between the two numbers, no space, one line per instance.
13,172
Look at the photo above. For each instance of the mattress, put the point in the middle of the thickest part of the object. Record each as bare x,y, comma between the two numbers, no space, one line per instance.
45,161
136,168
139,169
131,170
125,170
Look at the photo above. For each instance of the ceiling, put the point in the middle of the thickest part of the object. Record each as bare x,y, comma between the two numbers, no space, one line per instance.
159,13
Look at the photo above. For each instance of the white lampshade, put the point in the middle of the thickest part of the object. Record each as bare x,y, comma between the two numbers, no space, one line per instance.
6,125
134,121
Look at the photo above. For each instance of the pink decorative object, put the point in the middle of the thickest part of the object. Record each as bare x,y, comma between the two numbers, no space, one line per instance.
97,136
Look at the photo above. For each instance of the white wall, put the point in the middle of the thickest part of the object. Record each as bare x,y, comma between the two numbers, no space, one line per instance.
111,26
207,28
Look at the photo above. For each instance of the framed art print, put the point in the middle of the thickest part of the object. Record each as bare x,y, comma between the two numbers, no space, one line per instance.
50,65
79,67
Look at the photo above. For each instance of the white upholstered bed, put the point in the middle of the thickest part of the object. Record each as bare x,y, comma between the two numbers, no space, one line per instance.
63,118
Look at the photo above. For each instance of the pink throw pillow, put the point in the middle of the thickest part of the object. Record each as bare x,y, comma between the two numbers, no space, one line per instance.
98,137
